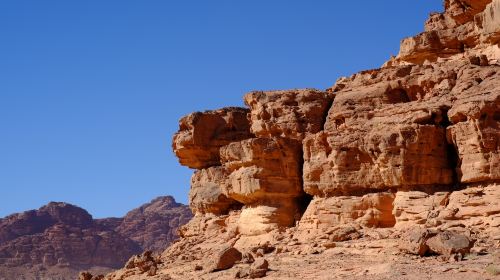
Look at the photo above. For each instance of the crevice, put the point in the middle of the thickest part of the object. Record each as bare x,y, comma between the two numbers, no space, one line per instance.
326,113
235,206
304,199
302,203
397,95
451,151
454,161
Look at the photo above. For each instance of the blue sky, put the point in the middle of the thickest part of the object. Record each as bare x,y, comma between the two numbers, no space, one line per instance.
91,91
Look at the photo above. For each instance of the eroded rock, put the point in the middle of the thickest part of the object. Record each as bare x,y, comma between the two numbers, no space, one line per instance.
226,258
449,244
207,191
201,134
289,114
420,241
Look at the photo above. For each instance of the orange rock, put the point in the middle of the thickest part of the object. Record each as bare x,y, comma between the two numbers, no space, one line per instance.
262,169
206,194
201,134
287,113
372,210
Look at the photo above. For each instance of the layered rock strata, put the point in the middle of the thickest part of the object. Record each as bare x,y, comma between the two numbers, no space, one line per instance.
260,176
366,147
61,239
415,143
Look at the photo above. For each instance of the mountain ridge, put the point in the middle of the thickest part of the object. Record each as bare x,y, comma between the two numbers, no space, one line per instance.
59,239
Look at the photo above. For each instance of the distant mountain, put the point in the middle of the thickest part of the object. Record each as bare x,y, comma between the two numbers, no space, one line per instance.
59,239
154,225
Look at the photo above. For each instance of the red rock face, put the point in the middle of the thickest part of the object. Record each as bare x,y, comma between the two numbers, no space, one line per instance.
287,113
464,26
476,134
206,194
412,144
201,135
262,169
262,175
63,237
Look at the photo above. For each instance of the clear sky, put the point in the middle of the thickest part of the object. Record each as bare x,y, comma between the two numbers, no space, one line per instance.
91,91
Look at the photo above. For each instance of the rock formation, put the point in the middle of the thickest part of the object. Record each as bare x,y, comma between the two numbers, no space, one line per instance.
59,239
408,148
154,225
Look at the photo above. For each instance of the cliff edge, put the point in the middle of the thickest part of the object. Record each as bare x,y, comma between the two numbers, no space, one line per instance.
359,179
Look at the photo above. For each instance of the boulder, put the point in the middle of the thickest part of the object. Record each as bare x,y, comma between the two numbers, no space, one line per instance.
421,241
449,243
414,241
258,269
225,258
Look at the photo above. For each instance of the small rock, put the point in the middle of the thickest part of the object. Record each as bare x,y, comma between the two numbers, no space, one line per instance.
414,241
344,234
226,258
330,245
198,267
259,268
247,258
483,60
474,60
144,262
241,273
259,252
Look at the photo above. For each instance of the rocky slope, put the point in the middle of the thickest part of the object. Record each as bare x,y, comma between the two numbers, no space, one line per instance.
59,239
387,163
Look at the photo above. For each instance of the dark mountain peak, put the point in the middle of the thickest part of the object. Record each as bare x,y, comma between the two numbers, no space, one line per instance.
66,213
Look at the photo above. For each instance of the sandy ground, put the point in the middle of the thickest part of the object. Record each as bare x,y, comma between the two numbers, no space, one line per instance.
350,260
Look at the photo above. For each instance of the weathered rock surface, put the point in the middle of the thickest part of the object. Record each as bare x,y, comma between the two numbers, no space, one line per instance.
465,26
423,241
60,238
476,133
449,243
262,167
207,192
201,135
371,210
226,258
402,157
287,113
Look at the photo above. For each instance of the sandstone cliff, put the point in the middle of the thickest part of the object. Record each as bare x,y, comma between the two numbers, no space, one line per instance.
414,144
59,239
